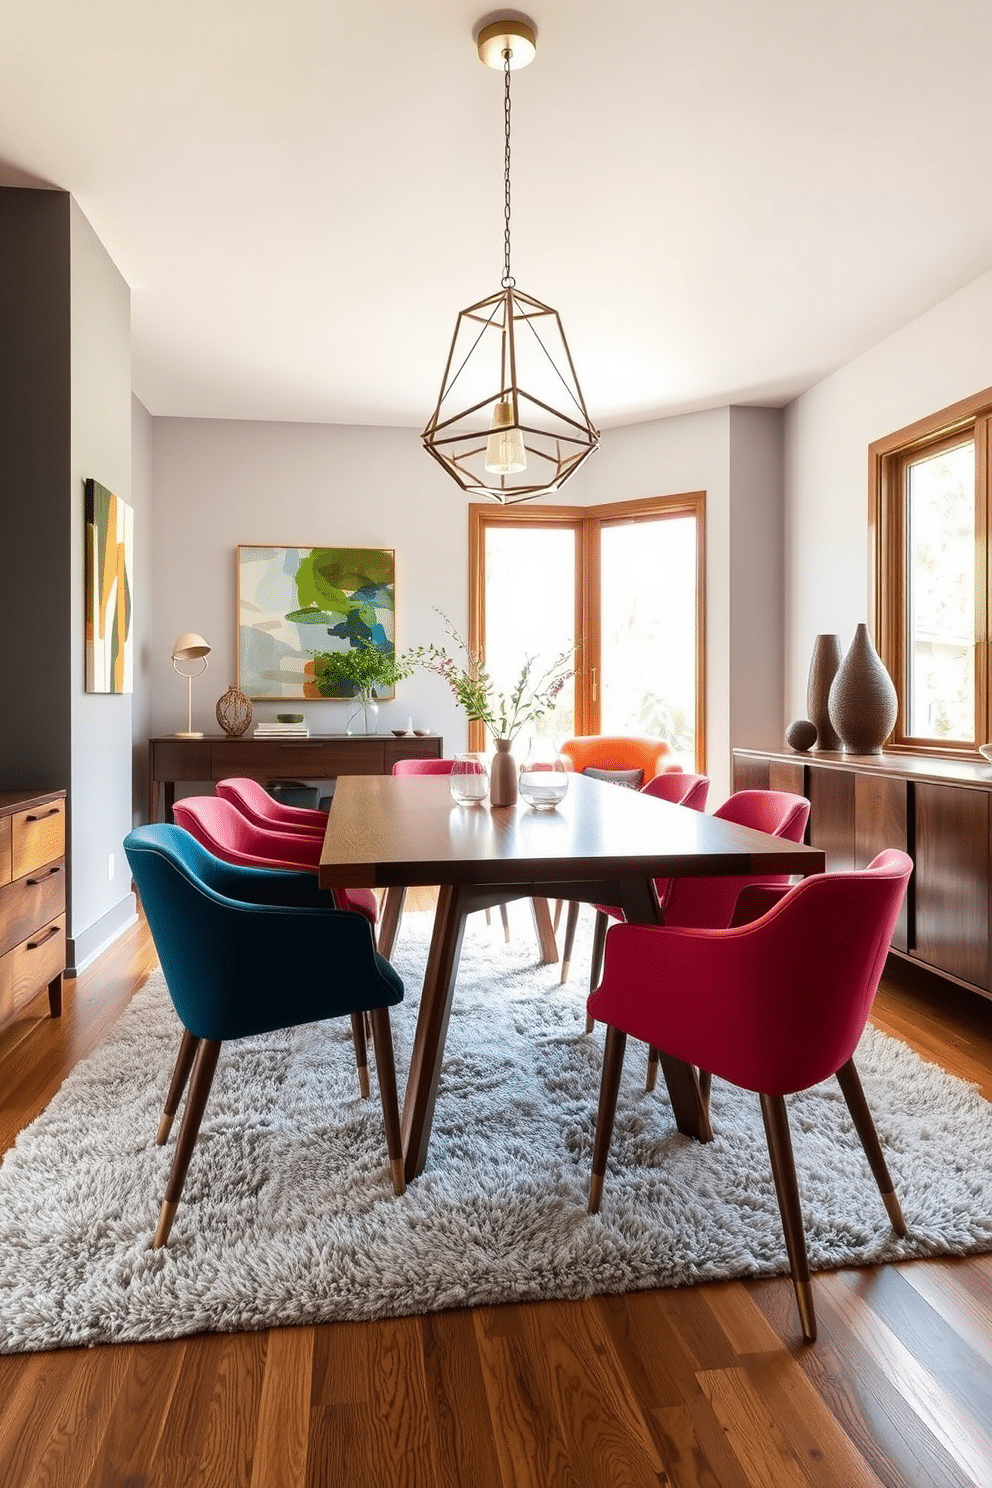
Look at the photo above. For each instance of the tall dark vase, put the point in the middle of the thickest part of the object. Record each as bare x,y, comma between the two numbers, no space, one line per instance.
863,701
823,667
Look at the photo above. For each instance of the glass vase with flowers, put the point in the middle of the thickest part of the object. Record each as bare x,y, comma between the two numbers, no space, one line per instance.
503,712
359,672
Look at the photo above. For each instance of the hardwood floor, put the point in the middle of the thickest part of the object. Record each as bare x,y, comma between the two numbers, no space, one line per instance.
707,1386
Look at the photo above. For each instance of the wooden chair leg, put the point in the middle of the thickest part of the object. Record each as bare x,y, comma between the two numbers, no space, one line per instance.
557,915
616,1042
204,1065
361,1053
382,1042
188,1045
489,917
776,1121
389,919
571,921
850,1084
654,1060
506,923
600,927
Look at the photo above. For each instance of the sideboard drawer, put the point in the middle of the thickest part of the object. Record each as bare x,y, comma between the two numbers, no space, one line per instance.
31,966
37,837
4,849
35,900
304,759
180,759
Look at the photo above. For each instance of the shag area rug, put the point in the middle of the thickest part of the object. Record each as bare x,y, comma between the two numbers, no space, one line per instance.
288,1215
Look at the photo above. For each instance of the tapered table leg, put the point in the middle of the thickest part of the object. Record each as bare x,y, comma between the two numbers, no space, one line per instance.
432,1027
545,931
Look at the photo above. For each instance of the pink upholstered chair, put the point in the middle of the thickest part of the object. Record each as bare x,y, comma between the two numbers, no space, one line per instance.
675,786
254,802
392,908
774,1005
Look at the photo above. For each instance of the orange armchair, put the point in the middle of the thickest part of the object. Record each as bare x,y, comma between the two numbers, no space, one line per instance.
619,752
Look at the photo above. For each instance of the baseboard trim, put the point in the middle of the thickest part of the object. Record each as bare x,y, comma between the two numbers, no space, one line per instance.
82,950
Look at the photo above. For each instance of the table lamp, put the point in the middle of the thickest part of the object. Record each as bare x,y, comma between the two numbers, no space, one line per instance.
189,647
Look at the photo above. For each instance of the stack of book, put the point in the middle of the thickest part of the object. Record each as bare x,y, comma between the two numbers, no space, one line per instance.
281,731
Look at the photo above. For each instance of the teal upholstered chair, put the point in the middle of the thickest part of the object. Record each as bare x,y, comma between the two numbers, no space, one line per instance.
225,936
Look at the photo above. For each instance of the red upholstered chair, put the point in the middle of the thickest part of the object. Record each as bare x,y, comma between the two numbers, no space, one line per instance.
392,908
682,790
775,1006
619,752
254,802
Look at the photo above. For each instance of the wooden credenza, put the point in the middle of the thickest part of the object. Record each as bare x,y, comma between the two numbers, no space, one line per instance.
32,899
321,757
937,810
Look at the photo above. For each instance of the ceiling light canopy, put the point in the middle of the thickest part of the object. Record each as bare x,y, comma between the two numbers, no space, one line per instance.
510,421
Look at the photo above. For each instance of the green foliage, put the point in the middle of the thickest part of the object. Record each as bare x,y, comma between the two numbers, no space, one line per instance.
504,714
358,672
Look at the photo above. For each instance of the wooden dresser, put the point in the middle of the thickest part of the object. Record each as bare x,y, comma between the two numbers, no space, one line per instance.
939,810
32,899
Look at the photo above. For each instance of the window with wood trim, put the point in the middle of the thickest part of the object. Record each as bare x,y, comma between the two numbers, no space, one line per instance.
624,584
931,525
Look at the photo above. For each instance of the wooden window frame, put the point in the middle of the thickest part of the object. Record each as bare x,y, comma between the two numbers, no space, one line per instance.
888,460
588,521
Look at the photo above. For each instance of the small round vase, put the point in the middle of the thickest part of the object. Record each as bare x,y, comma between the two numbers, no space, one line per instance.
823,667
234,712
543,780
863,701
503,776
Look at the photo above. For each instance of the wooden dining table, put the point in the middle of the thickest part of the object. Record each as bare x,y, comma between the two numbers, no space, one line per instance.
603,844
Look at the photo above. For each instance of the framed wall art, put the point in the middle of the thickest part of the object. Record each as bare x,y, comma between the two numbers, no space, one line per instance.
297,605
108,567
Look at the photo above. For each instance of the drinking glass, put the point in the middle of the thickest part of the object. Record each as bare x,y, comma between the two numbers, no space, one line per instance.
469,779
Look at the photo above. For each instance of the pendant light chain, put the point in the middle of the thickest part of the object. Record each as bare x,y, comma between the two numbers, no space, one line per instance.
508,279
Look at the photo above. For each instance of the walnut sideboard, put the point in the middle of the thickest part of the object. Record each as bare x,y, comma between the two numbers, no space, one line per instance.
32,899
320,757
939,810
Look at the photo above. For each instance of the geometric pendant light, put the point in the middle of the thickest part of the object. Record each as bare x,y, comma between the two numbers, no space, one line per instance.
510,421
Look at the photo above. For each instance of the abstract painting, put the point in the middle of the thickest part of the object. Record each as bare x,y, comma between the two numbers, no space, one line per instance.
109,565
297,604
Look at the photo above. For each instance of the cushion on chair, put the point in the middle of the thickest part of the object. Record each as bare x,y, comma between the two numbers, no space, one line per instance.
634,779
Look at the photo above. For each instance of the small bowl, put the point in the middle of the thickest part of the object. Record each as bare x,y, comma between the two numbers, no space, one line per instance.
289,717
421,733
398,733
985,750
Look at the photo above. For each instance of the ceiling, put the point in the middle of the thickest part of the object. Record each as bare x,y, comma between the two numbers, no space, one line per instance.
725,199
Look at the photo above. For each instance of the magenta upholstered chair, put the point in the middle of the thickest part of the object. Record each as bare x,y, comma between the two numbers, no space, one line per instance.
254,802
675,786
774,1005
392,908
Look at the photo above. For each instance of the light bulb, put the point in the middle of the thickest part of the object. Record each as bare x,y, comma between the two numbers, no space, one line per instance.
505,453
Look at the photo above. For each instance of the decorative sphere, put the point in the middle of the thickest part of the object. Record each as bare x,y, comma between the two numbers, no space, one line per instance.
801,735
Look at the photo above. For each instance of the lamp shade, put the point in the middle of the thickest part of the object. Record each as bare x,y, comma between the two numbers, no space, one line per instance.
189,646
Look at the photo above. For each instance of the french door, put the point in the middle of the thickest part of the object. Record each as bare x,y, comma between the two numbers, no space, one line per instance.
621,583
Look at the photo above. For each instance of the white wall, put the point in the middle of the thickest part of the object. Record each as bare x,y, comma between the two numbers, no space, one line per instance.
934,361
141,614
218,483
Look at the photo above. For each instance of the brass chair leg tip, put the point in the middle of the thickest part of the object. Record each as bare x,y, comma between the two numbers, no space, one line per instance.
364,1088
894,1210
397,1174
807,1317
167,1214
652,1078
590,1024
595,1192
164,1128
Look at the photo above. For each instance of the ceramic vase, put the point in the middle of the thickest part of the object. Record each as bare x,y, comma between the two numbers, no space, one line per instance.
823,667
503,776
234,712
863,701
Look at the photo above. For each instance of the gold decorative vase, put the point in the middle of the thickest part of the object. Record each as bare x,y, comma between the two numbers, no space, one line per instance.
234,712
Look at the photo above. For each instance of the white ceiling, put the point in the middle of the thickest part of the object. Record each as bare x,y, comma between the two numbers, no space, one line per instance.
725,199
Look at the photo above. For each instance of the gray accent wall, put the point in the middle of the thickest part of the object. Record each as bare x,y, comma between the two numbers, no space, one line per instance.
65,406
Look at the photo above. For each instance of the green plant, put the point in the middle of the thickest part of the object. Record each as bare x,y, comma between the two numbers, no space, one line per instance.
503,713
358,672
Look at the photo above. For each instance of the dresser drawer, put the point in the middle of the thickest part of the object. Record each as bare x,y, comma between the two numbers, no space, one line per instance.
30,966
29,902
37,837
4,849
